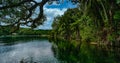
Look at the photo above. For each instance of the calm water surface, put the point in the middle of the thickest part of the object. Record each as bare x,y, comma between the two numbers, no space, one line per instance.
41,50
26,50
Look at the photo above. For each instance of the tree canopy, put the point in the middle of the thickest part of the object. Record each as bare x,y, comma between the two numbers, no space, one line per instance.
23,12
93,21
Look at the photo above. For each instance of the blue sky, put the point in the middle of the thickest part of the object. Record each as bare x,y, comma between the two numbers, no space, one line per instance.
51,11
54,10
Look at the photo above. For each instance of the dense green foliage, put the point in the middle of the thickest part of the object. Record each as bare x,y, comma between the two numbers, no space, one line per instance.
96,21
5,30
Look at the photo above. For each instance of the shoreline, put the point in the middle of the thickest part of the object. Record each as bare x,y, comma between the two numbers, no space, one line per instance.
24,36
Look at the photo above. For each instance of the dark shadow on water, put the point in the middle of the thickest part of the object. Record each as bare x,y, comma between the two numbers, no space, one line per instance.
85,53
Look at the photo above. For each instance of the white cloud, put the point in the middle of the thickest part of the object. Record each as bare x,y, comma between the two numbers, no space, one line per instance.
54,11
50,14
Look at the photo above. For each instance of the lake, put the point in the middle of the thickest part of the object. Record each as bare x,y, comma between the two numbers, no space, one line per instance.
41,50
26,50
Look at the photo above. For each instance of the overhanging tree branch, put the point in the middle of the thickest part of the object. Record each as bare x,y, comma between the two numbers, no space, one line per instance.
15,5
25,10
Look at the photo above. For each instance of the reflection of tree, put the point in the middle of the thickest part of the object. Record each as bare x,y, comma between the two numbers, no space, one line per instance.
86,54
30,60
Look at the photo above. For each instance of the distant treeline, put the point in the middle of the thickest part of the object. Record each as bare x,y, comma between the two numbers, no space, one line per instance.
25,31
6,30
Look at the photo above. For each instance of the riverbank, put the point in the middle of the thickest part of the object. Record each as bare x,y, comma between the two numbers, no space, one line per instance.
22,36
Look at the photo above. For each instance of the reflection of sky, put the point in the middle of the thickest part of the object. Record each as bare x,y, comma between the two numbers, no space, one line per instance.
36,50
53,10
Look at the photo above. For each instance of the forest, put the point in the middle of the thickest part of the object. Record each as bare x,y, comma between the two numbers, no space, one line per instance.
94,22
87,33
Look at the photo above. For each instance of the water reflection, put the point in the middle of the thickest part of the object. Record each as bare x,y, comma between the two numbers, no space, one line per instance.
85,53
36,50
27,51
